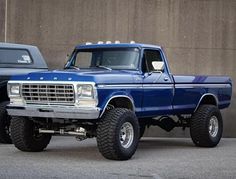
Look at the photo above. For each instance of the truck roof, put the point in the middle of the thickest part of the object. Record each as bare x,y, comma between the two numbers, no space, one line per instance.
12,45
114,45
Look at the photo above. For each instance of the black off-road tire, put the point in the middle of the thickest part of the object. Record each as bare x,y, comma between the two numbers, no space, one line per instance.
108,134
199,126
5,120
25,136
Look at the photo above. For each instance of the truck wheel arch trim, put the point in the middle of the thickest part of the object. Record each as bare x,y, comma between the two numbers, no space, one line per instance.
117,96
205,95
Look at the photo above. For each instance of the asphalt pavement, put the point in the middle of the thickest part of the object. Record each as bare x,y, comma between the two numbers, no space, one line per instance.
155,158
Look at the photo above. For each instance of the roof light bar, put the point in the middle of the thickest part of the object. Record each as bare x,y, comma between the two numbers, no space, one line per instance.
108,42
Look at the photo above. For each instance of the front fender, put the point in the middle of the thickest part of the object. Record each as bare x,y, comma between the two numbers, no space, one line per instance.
105,96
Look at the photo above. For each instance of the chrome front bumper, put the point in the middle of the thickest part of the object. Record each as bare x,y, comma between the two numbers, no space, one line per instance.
64,112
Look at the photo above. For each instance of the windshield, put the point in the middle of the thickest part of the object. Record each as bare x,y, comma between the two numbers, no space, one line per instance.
110,58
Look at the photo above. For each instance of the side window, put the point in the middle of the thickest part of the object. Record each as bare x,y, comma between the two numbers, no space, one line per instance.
149,57
14,56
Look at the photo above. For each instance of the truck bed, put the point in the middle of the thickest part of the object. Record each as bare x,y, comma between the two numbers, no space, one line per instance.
190,89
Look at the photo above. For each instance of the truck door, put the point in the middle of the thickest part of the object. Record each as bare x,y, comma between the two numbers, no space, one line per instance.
158,87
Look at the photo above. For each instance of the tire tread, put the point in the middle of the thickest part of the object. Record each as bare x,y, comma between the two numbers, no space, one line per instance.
22,139
4,137
106,135
199,126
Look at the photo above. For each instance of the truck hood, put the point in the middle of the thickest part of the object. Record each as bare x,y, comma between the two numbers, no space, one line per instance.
98,76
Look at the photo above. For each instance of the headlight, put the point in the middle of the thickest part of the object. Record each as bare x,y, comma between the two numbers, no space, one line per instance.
86,95
14,89
85,91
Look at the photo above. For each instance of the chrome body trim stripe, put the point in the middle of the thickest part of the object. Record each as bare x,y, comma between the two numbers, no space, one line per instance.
158,86
202,85
133,86
125,86
111,86
162,86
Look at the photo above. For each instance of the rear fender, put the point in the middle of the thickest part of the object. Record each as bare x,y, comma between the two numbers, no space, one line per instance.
208,98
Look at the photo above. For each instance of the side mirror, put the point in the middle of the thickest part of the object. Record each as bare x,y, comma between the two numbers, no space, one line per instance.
158,66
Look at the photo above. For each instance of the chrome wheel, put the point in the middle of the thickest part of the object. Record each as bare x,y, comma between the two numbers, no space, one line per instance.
213,126
126,135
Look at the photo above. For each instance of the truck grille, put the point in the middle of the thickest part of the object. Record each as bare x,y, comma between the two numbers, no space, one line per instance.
48,93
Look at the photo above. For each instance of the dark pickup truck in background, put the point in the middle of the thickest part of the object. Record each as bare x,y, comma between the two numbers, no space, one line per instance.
15,59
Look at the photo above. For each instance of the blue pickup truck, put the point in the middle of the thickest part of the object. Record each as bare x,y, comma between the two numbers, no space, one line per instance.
113,91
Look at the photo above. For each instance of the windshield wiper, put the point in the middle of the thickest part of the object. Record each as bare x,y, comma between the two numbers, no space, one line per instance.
73,67
101,66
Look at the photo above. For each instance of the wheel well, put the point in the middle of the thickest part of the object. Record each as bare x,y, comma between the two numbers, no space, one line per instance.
3,92
208,99
122,102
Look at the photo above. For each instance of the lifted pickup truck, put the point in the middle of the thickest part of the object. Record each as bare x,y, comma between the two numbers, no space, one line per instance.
15,59
113,92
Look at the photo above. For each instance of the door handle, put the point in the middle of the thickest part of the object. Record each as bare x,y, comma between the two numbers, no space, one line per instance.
166,79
